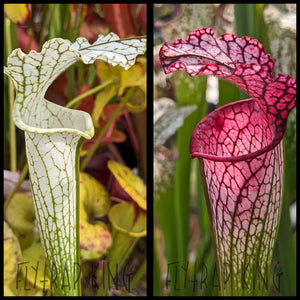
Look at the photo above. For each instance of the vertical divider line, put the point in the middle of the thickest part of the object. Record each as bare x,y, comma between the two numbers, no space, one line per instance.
150,152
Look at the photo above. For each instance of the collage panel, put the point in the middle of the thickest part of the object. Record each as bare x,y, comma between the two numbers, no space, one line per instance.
75,142
224,149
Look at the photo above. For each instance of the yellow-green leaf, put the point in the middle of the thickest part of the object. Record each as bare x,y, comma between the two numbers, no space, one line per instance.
135,76
107,72
20,213
131,183
25,289
123,80
95,238
34,270
20,216
125,219
17,13
7,292
12,255
137,101
93,196
101,100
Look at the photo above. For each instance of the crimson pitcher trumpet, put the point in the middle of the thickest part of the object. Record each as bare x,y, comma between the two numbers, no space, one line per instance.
240,152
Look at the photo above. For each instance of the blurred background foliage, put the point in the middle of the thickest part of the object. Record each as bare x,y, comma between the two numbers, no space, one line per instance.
116,100
183,254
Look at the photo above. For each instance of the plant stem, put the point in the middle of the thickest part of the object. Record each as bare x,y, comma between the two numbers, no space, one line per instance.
77,21
245,25
12,128
45,24
101,135
88,93
105,128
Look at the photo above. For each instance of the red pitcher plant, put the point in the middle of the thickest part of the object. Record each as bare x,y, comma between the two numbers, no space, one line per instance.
240,151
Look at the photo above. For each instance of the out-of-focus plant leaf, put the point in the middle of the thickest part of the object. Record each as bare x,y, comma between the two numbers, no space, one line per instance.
11,179
12,255
121,18
139,121
25,41
116,136
163,170
25,288
136,101
124,218
112,135
280,29
95,237
20,213
101,101
123,82
99,162
34,269
168,118
131,183
93,196
20,216
135,76
128,225
17,13
86,104
245,19
136,97
7,292
261,29
59,13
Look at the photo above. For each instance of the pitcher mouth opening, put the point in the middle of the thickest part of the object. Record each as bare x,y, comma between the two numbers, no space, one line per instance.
235,158
63,120
234,132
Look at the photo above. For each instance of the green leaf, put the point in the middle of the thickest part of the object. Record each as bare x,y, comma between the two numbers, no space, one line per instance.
59,13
